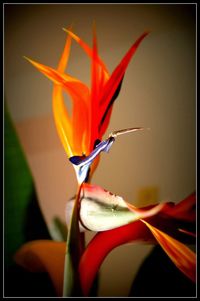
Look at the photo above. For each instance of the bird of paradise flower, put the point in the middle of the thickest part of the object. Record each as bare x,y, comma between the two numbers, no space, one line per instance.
92,108
81,135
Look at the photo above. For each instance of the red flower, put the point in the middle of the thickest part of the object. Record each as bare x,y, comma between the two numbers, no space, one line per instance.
92,107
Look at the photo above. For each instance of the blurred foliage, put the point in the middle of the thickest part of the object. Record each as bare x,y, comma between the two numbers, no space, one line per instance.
23,220
58,229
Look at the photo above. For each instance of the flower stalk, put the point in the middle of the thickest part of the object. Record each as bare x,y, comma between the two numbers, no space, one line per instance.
74,250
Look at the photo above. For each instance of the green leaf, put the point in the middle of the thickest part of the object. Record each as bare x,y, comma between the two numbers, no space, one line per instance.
23,220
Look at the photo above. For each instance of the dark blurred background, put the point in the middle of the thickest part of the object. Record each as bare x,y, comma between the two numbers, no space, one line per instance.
158,92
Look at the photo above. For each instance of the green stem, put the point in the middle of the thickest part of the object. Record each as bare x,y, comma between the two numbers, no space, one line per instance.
74,249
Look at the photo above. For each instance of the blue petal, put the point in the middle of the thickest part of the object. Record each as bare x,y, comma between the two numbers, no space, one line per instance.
84,162
77,159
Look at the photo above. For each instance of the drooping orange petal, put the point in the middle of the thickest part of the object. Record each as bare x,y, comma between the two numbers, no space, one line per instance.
44,256
61,79
79,93
62,120
181,255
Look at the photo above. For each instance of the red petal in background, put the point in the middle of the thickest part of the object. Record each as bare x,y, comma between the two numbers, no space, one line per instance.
105,242
102,244
181,255
185,210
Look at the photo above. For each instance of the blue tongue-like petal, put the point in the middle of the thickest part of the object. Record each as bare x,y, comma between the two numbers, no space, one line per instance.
77,159
102,146
83,162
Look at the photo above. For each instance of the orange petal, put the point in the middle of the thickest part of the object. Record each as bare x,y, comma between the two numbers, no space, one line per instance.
44,256
79,93
61,117
88,50
57,77
65,55
99,78
62,121
94,94
180,254
70,134
80,126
